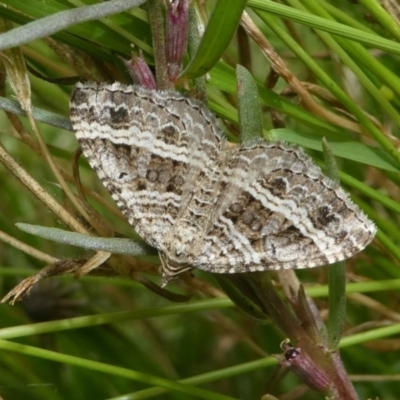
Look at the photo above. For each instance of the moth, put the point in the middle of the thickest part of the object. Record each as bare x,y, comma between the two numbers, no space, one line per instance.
257,207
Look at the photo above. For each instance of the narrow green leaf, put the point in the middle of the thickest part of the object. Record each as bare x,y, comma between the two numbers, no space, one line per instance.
330,162
249,109
322,24
383,16
111,370
341,147
238,297
336,272
219,32
113,245
199,84
223,78
38,113
334,88
61,20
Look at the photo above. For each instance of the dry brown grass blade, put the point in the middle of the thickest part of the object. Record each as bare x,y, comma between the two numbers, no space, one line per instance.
281,68
34,187
99,258
60,267
17,73
4,237
37,190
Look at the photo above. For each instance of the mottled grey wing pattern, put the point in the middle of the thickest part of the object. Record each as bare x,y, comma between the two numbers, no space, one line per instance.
259,207
147,159
276,210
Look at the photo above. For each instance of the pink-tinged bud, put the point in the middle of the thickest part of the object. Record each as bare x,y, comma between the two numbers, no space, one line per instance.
140,72
177,35
305,368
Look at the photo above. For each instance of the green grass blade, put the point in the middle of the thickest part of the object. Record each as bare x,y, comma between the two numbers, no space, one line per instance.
219,32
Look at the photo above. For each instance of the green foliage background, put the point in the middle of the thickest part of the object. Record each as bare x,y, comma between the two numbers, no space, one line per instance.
128,340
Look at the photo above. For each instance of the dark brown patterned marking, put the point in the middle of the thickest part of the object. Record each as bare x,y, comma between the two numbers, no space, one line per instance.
259,207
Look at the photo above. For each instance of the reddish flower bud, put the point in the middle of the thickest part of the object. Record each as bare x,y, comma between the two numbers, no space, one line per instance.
177,35
140,72
305,368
